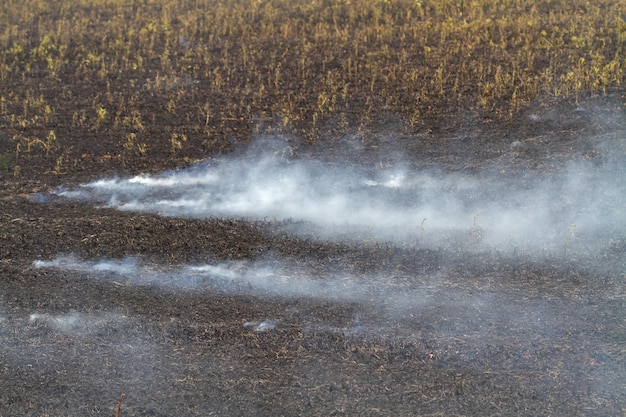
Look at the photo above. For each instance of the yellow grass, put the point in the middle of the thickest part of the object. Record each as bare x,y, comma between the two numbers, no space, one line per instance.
301,61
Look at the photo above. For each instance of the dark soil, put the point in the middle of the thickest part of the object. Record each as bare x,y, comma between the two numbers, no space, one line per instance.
497,335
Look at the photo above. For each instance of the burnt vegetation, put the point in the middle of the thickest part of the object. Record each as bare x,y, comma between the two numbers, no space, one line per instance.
516,89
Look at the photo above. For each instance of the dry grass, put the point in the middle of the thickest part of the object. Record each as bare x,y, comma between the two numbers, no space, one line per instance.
298,62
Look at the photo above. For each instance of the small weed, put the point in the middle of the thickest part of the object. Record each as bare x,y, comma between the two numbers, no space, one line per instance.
134,121
133,146
27,144
101,116
176,142
58,167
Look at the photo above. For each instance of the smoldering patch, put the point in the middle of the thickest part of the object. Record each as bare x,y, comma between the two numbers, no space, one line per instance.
429,208
75,323
263,278
261,325
392,307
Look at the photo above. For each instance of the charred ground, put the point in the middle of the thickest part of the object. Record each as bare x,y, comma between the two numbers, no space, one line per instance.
191,354
495,333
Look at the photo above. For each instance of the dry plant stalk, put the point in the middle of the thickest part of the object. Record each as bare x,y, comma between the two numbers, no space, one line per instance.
119,405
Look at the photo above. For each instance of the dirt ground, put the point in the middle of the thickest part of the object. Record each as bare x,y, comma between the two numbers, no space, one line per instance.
497,334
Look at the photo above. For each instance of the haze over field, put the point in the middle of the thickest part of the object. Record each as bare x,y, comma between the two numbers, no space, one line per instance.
395,208
488,264
580,207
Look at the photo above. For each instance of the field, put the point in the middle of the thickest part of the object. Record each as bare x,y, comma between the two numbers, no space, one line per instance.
281,208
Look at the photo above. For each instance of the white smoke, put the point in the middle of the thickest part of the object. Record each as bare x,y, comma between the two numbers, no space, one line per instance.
74,323
261,326
392,298
577,210
256,278
431,208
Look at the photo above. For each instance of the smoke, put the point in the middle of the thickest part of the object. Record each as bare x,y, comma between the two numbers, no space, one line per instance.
391,306
91,352
74,323
536,325
577,211
466,323
568,210
263,278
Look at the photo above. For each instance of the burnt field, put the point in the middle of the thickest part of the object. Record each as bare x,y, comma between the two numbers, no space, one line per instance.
323,208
